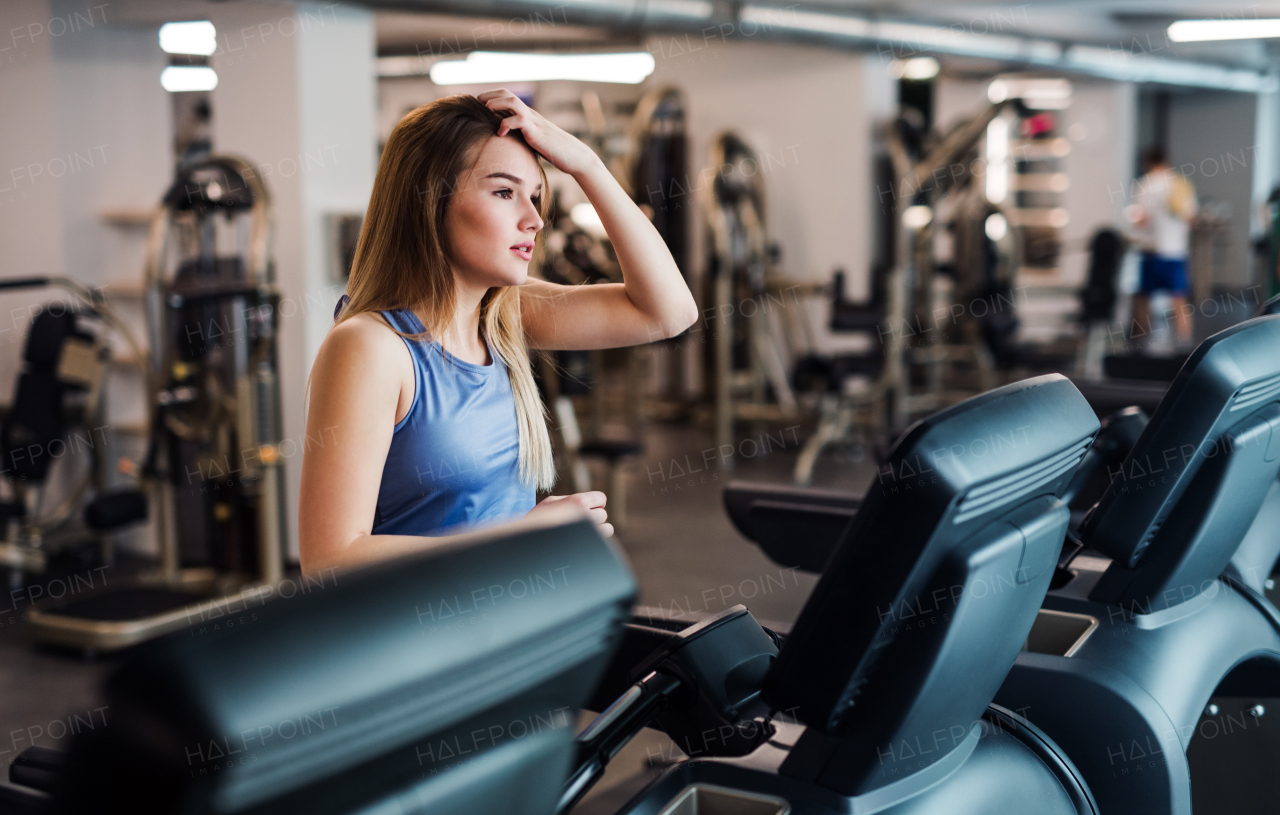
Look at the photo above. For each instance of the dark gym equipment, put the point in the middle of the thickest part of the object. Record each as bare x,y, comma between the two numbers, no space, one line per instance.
660,169
1098,297
1180,601
800,527
443,682
828,373
58,409
746,376
213,402
868,671
1180,609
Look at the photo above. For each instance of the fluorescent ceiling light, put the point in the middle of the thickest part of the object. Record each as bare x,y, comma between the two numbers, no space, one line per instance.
653,9
181,78
1202,30
198,37
1035,93
917,68
487,67
696,9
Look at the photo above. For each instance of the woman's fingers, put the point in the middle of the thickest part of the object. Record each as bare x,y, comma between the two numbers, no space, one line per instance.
516,122
590,500
499,95
592,503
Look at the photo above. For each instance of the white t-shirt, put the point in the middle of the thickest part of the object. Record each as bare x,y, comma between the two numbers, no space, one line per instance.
1169,201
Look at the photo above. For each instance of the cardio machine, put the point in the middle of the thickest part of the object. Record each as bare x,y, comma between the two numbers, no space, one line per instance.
1176,556
427,667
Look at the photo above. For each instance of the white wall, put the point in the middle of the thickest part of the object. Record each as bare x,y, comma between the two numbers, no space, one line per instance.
1266,167
956,98
1101,127
802,110
1211,140
30,196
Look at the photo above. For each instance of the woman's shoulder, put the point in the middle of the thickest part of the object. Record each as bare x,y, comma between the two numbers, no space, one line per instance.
366,340
366,330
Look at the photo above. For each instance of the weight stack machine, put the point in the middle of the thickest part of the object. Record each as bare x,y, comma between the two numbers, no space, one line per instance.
213,463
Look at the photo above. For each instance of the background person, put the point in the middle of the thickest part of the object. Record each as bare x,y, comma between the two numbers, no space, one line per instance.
1164,205
425,381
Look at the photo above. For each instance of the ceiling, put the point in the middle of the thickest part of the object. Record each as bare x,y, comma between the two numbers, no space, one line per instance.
1121,26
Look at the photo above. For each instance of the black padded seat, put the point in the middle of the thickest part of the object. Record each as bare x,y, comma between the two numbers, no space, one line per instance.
611,449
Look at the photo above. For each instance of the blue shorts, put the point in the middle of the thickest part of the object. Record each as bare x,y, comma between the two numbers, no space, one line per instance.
1169,274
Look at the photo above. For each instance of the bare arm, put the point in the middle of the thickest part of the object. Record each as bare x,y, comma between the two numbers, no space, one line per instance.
652,303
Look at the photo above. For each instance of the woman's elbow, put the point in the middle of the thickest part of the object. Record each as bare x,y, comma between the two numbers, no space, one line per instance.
321,556
682,319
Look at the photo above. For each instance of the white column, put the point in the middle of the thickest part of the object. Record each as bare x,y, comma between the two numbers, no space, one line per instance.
30,195
1266,153
297,96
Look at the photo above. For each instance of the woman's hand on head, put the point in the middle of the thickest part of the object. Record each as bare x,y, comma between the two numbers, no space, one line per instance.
591,503
567,153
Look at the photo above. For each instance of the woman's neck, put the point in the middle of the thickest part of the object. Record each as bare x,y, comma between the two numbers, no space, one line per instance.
462,336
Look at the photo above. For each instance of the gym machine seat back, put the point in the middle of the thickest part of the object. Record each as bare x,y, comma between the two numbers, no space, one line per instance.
931,594
1178,607
443,682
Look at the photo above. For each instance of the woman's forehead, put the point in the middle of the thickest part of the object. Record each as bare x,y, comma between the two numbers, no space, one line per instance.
506,154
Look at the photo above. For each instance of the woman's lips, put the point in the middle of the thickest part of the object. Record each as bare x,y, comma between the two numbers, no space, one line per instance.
525,252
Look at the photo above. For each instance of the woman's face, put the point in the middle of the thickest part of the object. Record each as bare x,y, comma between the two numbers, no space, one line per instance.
493,217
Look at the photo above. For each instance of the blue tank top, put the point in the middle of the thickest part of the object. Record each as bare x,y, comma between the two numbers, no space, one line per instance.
454,457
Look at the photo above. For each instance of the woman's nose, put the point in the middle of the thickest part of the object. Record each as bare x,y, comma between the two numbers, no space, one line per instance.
531,218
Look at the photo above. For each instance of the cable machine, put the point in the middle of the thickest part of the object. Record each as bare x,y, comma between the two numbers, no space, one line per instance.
213,455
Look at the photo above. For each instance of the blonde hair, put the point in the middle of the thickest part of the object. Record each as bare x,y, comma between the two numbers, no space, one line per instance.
402,257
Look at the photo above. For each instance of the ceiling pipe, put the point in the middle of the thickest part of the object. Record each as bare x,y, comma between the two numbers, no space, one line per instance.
718,19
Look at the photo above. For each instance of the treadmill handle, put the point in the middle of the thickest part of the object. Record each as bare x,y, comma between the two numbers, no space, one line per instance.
609,732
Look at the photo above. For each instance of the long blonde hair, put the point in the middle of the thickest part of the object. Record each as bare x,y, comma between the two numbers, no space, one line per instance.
402,257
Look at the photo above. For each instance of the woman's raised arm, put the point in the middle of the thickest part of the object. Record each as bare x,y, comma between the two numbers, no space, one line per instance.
653,302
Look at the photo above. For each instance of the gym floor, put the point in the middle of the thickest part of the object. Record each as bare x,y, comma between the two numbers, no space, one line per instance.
686,555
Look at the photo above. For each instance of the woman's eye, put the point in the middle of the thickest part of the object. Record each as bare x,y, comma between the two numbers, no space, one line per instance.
505,194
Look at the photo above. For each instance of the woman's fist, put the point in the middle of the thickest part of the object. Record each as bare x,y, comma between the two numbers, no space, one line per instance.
592,503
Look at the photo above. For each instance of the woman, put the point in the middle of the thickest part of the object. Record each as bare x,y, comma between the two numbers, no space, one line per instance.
423,390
